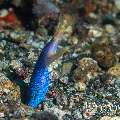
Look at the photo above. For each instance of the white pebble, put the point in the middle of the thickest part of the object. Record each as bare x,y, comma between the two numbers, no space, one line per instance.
6,90
2,115
80,86
110,29
95,32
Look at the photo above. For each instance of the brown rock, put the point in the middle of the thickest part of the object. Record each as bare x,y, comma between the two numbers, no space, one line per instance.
88,68
115,70
11,90
89,65
79,75
104,54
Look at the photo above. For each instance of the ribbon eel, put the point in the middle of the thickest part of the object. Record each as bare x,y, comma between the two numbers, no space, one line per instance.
38,86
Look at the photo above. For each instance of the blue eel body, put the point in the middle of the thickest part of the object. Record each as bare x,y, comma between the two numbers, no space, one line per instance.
38,86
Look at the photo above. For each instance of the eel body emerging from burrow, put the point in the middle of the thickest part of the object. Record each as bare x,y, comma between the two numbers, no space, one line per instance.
38,86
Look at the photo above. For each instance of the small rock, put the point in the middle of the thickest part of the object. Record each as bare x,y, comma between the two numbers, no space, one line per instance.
6,90
2,52
31,55
12,90
64,100
41,45
115,70
53,65
21,73
89,65
51,94
2,115
88,68
104,53
3,78
95,32
80,86
15,64
3,44
87,114
93,15
15,93
73,40
64,80
79,75
7,84
110,29
18,36
35,44
66,68
41,31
